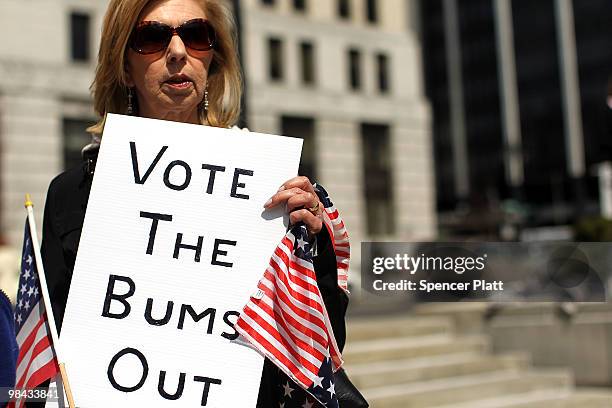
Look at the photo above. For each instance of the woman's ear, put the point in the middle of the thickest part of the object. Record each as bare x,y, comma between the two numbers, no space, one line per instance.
129,81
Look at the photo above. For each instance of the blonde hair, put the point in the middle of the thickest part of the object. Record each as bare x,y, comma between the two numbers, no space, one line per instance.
109,87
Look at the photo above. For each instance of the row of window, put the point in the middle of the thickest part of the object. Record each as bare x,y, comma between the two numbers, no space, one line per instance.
376,166
344,8
80,35
276,68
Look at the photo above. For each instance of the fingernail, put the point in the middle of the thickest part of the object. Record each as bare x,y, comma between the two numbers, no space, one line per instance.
281,188
268,202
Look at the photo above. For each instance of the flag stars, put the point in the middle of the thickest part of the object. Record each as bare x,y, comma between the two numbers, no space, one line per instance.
317,382
19,319
29,260
31,290
20,304
331,390
26,275
308,404
36,291
24,288
288,390
301,244
26,306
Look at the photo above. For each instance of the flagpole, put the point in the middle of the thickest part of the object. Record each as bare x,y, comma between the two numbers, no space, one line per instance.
45,296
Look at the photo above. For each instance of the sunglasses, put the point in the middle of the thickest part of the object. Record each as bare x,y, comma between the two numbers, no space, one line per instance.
150,37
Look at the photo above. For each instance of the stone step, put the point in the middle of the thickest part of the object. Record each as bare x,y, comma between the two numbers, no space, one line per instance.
533,399
547,308
365,329
537,399
466,388
449,308
591,398
411,347
374,374
467,317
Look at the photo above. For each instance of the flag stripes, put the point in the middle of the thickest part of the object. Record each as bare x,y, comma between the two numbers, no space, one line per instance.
36,360
286,319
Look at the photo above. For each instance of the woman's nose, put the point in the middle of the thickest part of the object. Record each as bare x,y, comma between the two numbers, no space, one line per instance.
176,49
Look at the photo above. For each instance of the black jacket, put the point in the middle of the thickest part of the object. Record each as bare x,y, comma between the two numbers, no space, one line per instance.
63,219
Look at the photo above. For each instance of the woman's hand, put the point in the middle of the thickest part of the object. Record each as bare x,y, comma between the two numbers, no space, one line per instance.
301,202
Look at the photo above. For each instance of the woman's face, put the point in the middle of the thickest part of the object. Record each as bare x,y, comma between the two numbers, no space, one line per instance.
170,84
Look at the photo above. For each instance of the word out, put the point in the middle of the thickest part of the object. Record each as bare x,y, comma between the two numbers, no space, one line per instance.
162,377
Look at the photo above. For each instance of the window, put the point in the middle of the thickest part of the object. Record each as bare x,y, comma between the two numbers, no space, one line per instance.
79,36
303,127
268,2
354,69
75,138
275,59
382,68
378,186
372,11
307,62
344,9
299,5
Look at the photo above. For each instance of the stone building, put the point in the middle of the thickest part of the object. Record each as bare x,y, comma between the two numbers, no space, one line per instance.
345,75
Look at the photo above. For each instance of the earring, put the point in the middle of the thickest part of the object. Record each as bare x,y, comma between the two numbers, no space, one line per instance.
130,107
205,100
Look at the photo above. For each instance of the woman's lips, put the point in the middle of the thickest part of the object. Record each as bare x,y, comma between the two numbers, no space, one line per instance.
179,86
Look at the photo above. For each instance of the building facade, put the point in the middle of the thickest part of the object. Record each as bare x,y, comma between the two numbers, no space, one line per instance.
518,92
344,75
347,76
47,62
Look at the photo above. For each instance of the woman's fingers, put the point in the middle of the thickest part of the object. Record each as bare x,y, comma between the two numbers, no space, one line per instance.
282,196
306,200
301,182
294,197
298,195
313,223
293,187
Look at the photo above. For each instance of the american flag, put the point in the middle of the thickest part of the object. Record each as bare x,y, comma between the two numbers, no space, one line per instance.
286,318
36,361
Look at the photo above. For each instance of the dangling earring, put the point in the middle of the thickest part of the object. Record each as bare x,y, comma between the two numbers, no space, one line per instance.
130,106
205,100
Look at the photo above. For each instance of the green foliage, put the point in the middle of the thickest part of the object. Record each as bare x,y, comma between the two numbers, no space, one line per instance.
593,229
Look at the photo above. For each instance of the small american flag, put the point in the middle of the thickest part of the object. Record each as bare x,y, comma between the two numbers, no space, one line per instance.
36,361
286,319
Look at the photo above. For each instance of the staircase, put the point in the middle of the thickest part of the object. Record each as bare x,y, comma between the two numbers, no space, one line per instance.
422,362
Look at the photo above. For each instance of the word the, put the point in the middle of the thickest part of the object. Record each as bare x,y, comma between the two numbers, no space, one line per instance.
178,244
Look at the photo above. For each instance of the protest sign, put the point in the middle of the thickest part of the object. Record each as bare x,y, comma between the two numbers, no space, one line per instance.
174,242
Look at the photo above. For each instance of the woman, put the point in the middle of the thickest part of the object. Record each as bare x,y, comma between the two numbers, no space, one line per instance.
174,60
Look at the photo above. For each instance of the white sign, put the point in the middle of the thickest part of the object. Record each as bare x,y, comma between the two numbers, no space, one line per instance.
174,242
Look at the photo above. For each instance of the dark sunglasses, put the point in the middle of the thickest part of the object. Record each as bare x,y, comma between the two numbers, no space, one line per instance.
150,37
